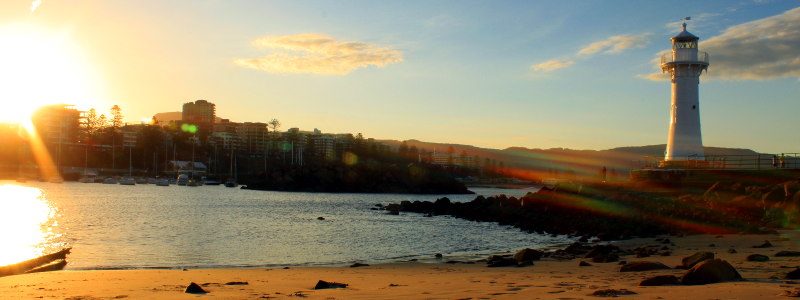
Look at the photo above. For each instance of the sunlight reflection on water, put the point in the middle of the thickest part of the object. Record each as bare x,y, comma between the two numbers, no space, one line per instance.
26,223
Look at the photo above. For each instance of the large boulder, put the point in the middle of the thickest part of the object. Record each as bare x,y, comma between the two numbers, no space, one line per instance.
757,257
660,280
787,253
527,254
710,271
694,259
639,266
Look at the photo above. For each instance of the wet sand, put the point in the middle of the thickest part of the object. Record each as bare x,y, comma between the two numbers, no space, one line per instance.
546,279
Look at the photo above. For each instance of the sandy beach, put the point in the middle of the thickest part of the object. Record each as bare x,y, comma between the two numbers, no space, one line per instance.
546,279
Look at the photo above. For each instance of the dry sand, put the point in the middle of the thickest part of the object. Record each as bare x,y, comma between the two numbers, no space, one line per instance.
547,279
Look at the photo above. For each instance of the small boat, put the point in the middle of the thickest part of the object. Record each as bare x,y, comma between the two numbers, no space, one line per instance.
141,181
56,179
22,179
162,182
110,180
183,179
127,181
212,182
86,179
42,179
172,181
231,183
152,180
193,183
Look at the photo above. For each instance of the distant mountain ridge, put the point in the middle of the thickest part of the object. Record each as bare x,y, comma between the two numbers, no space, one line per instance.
537,162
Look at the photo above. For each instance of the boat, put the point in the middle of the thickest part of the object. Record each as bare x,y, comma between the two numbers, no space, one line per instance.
152,180
212,182
56,179
183,179
172,181
127,181
231,183
193,183
162,182
141,180
22,179
86,179
110,180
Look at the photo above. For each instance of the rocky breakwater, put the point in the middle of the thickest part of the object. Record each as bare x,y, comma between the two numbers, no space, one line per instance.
342,178
612,212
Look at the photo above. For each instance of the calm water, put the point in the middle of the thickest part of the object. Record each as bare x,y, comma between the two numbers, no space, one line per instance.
113,226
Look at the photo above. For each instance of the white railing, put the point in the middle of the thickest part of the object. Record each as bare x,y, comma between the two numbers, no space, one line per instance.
684,56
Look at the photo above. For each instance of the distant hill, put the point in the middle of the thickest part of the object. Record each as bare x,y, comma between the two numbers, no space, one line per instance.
536,162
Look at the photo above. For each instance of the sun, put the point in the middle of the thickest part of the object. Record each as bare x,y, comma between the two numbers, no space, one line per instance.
37,68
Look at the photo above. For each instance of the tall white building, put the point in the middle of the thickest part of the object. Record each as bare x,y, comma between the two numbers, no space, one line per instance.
684,65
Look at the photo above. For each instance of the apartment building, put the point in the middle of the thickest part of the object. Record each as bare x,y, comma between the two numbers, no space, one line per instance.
254,136
58,123
201,111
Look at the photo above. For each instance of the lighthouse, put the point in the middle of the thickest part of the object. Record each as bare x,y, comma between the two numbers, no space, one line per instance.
684,65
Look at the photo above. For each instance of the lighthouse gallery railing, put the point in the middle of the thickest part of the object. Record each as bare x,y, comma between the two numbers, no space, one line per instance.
684,56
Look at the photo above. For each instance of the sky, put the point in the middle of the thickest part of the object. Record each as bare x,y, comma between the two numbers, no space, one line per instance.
495,74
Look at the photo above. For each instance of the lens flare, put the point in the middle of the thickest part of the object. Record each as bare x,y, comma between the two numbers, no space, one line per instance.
26,218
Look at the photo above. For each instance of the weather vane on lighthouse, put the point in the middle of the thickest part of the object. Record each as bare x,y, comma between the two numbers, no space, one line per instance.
684,65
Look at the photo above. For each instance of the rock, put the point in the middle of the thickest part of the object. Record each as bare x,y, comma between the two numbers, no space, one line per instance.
692,260
712,245
611,293
236,283
665,248
438,255
638,266
193,288
666,253
776,224
583,239
660,280
356,265
329,285
787,253
584,264
710,271
794,274
666,241
731,250
503,262
757,257
321,218
764,245
622,262
528,254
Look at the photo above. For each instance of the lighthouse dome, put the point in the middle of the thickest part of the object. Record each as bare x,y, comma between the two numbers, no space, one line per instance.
685,35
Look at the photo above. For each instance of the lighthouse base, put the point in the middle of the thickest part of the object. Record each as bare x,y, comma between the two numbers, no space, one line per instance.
684,164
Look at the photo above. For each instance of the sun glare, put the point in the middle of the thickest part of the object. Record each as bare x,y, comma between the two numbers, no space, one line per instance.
26,217
36,69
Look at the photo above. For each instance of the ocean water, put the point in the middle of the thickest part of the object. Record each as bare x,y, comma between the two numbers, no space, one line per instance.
146,226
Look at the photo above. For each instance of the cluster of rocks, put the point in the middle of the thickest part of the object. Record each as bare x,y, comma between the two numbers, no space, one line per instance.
362,178
612,212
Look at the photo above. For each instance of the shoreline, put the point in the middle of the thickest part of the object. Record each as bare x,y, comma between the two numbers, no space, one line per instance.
547,278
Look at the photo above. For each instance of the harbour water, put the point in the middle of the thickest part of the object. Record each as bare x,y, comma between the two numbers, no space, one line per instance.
146,226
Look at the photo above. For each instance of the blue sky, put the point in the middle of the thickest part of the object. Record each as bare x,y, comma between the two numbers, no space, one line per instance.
458,72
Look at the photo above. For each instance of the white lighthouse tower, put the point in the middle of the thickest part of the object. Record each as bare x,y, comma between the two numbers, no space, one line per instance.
684,64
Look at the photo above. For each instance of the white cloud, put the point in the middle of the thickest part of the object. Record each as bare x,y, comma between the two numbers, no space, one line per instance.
764,49
319,54
617,44
551,65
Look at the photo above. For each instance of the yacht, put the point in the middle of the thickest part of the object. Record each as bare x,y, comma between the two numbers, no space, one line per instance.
127,181
56,179
22,179
193,183
212,182
183,179
162,182
141,181
152,180
88,178
110,180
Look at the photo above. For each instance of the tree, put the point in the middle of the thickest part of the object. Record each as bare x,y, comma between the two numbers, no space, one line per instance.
451,150
274,124
116,117
92,124
403,148
413,150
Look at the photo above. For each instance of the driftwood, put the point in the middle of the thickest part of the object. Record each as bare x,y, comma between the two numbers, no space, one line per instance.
51,262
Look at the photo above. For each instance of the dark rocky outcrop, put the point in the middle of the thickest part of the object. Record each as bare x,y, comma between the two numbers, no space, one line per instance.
527,254
692,260
329,285
356,265
787,253
611,293
757,257
193,288
660,280
501,261
710,271
766,244
793,274
584,264
639,266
